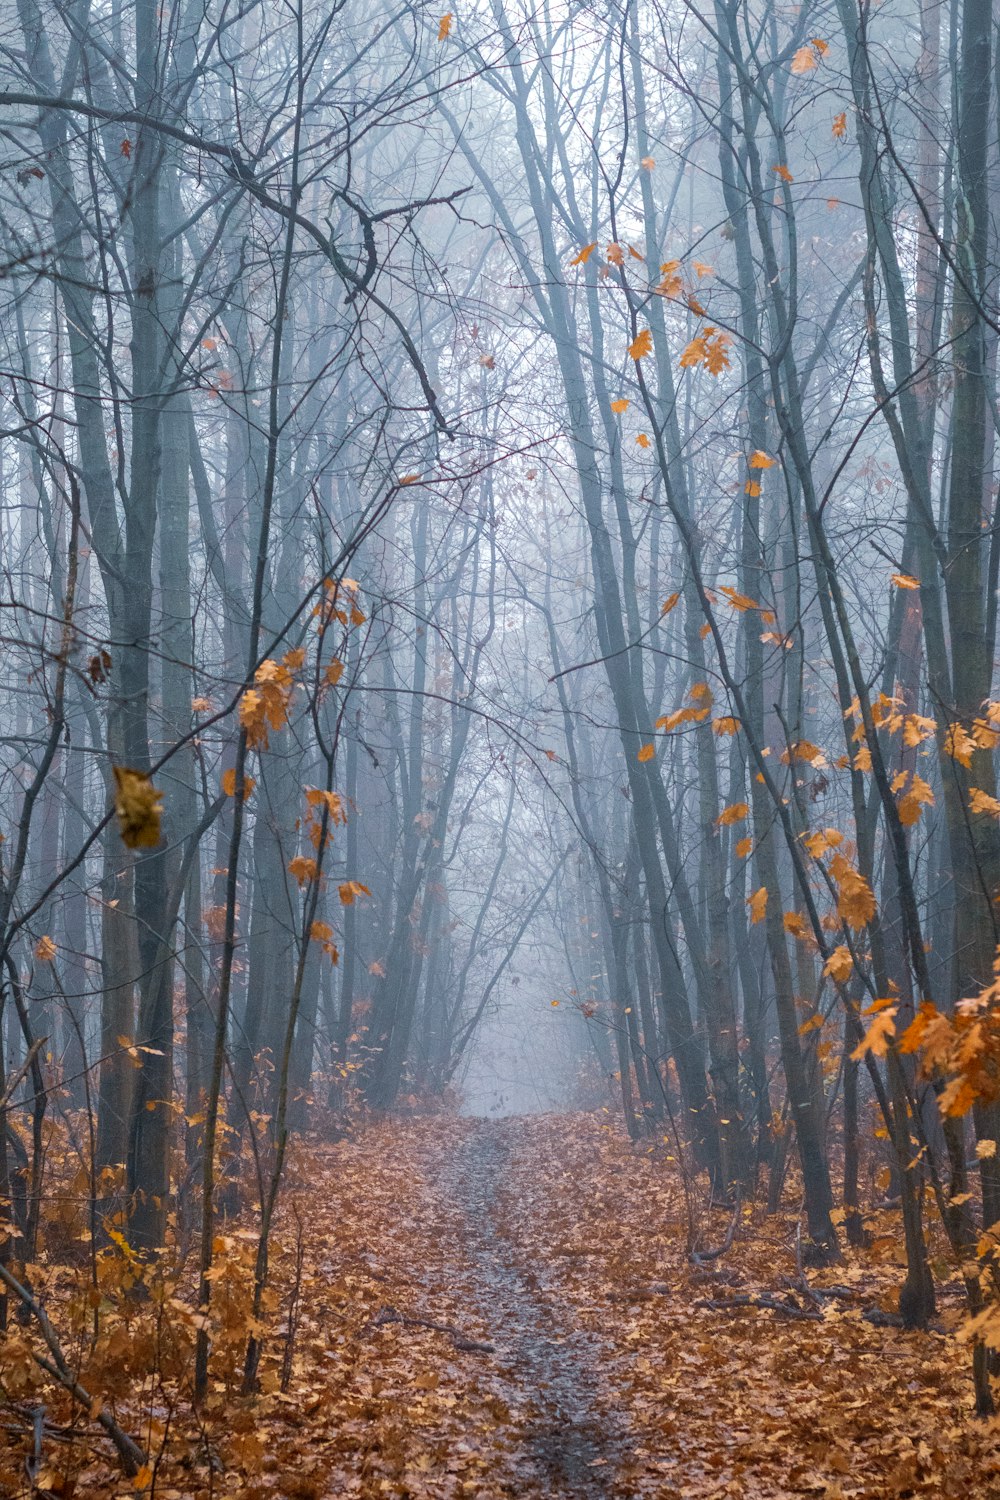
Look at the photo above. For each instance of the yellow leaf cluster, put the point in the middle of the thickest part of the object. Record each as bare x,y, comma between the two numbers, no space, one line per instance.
265,706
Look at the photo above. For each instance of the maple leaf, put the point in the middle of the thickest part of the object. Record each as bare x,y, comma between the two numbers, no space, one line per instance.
45,949
201,705
839,127
804,61
641,344
648,163
709,348
138,807
584,255
126,148
782,171
444,27
646,752
334,672
734,813
904,581
614,254
757,902
761,460
743,848
642,440
725,725
794,924
620,405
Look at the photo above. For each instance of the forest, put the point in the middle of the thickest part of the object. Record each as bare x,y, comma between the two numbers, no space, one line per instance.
499,749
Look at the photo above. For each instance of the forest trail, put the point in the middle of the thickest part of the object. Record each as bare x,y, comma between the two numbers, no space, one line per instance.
546,1362
469,1309
520,1318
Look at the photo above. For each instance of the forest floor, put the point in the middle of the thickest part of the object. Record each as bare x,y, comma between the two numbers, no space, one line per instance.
507,1308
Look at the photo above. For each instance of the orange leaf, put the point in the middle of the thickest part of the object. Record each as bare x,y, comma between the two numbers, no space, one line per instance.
669,603
879,1034
761,460
782,171
839,126
734,813
45,949
229,783
641,344
642,440
584,255
646,752
904,581
743,848
840,965
349,890
444,27
804,60
648,163
139,808
758,904
620,405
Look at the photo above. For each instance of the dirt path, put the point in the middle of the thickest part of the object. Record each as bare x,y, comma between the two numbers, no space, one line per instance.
546,1363
506,1309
